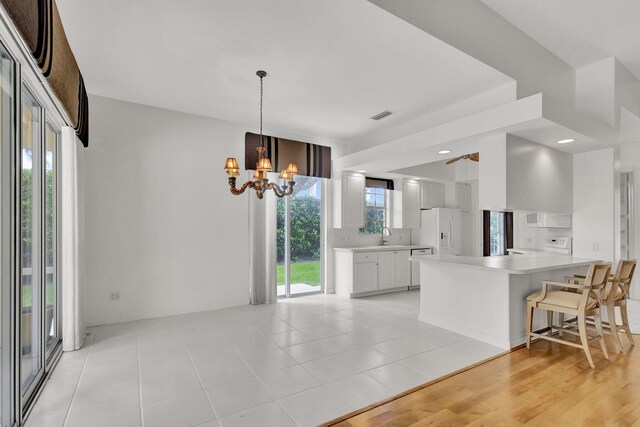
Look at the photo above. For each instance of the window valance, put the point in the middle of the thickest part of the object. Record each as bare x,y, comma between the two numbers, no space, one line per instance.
39,24
312,159
387,184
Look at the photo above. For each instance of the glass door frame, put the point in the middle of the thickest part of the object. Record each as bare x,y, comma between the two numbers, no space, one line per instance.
9,274
287,244
56,347
49,356
15,409
38,219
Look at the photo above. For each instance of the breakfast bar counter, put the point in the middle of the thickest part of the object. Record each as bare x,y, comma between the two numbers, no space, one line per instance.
484,297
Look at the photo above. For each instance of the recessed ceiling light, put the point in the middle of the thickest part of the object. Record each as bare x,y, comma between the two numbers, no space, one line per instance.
566,141
444,151
361,171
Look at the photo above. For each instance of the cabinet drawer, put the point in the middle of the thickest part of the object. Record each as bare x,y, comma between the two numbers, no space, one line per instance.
360,257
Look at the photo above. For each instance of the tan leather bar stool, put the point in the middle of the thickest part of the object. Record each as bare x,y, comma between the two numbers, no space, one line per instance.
582,303
616,294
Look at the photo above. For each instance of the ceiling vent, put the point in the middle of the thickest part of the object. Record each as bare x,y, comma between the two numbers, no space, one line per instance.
382,115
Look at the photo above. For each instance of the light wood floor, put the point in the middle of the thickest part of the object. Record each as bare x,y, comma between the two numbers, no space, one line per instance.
551,385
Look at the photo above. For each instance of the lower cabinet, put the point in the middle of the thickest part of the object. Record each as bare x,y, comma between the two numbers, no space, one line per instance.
386,274
365,273
365,277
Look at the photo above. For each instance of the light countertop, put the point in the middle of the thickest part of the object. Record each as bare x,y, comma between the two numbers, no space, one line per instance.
380,248
513,264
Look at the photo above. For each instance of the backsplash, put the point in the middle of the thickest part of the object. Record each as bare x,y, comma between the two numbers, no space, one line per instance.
351,237
525,237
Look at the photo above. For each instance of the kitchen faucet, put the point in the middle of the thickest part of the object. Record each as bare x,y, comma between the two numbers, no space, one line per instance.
384,242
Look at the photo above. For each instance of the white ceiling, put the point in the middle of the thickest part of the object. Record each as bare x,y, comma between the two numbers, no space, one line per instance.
580,32
332,64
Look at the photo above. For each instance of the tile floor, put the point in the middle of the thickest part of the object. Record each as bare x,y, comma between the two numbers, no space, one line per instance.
300,362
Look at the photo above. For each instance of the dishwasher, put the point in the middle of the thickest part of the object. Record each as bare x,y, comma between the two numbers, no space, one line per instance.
415,266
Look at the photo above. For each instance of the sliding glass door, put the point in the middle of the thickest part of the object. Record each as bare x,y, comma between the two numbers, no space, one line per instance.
30,298
31,363
299,238
7,231
50,232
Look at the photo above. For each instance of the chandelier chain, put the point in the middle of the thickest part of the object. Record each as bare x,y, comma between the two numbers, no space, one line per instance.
261,92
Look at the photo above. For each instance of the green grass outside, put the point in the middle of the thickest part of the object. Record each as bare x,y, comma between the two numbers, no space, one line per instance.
307,272
27,295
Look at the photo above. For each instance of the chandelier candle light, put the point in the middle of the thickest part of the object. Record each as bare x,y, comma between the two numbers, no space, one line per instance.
260,182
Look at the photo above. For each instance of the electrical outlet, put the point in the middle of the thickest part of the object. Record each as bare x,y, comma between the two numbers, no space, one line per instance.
596,246
115,296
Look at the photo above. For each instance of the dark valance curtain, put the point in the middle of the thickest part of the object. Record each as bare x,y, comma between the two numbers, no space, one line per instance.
312,160
39,24
387,184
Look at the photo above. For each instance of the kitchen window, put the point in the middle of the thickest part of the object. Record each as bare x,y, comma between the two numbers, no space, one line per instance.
497,233
374,210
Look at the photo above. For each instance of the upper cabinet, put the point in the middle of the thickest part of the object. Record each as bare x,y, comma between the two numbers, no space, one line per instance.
463,196
432,195
352,214
547,220
406,205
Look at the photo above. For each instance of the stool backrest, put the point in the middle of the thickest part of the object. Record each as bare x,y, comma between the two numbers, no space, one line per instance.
624,275
595,281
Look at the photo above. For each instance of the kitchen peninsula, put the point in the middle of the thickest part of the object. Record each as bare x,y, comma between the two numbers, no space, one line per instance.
484,297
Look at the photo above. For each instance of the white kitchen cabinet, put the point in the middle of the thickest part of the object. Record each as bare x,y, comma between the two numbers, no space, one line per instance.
432,195
463,196
406,205
386,276
365,277
352,199
367,273
547,220
401,268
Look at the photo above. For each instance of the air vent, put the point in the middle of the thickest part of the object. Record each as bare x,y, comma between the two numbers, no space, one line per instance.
382,115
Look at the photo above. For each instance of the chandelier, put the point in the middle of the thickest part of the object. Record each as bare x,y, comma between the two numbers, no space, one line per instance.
260,182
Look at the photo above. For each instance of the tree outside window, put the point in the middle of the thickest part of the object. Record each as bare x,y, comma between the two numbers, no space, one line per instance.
374,210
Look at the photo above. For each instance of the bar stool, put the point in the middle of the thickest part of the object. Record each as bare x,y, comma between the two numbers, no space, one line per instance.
615,295
582,303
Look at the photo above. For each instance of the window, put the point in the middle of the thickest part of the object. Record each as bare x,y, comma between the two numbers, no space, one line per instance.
374,210
498,233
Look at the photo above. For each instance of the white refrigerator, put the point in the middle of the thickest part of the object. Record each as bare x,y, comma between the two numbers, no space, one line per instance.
440,228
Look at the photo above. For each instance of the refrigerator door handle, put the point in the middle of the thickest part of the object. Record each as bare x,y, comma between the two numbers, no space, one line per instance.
453,230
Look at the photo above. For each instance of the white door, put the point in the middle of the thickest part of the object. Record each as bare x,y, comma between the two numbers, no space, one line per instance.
365,277
385,270
402,268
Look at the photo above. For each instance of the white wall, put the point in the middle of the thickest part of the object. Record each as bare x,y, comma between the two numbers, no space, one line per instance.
595,90
593,205
630,162
539,178
493,173
160,224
